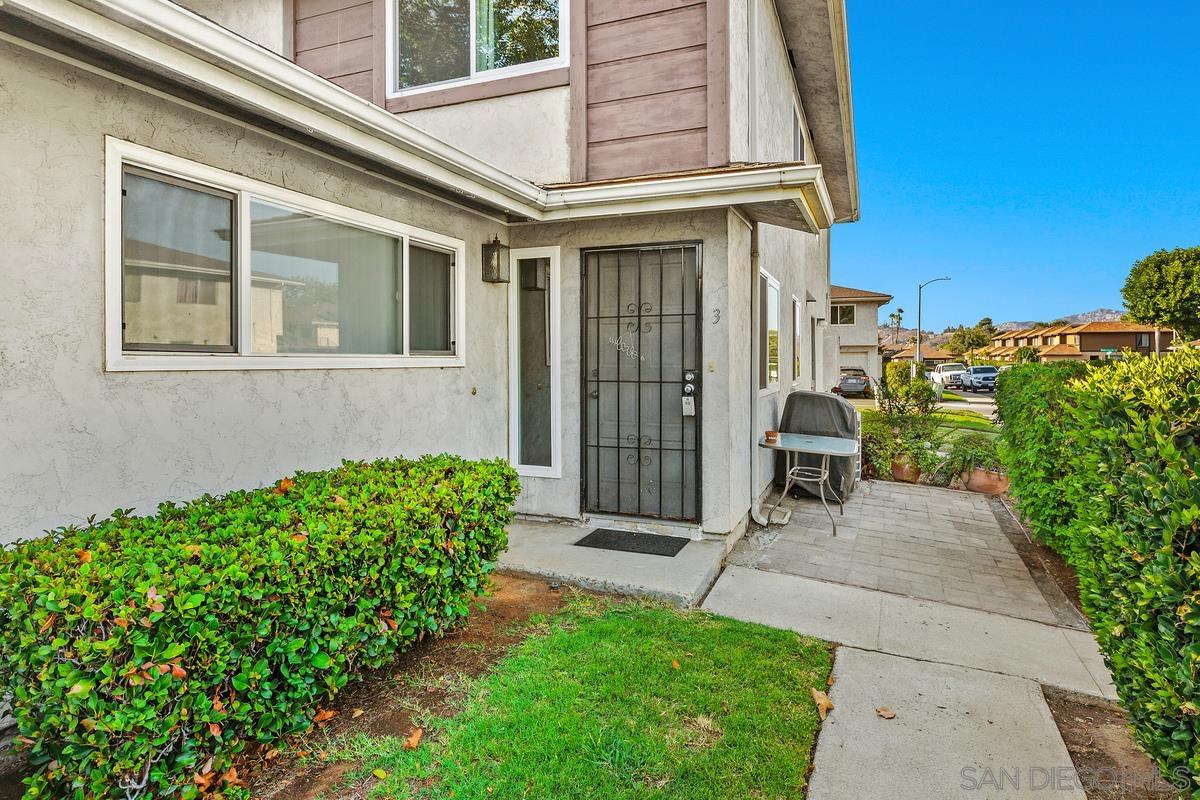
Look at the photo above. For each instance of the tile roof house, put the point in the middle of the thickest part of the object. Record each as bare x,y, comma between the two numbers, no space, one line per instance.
854,319
253,236
1090,341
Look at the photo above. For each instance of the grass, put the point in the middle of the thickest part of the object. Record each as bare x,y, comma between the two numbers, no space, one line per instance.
619,700
948,395
964,419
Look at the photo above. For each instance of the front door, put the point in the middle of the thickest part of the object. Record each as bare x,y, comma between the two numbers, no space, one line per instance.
641,381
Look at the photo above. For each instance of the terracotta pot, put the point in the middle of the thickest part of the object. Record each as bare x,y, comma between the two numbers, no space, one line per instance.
984,481
906,472
771,437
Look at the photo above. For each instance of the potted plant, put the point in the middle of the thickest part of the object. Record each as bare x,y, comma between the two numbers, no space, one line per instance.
974,460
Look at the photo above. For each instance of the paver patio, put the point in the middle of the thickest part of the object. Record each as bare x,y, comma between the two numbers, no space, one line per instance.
920,541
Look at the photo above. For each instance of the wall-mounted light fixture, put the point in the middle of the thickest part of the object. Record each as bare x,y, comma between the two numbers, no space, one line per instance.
496,267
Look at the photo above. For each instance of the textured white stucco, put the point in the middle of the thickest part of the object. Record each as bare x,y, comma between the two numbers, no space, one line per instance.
260,21
524,134
76,440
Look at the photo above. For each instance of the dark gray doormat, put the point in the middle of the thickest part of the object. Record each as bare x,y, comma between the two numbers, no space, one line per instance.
650,544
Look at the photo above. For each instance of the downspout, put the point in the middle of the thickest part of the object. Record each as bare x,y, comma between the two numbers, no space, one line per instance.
756,512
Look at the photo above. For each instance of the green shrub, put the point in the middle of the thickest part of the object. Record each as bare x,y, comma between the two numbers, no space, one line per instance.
1135,442
142,653
972,450
880,445
1103,464
1031,401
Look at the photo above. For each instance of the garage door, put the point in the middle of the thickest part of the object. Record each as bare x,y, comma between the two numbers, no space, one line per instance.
853,360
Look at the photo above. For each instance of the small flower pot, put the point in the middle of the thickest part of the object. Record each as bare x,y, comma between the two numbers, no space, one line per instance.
771,437
984,481
906,472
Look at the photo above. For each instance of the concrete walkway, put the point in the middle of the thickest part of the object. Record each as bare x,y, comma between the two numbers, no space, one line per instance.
548,550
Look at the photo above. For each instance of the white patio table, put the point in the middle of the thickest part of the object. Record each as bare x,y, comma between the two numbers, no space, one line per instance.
794,444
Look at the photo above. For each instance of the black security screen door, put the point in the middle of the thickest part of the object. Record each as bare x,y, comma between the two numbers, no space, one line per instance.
641,381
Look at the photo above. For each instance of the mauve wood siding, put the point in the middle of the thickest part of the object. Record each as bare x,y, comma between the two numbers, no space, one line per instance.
335,39
647,105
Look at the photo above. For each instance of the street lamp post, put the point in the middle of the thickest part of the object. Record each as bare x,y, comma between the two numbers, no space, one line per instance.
917,352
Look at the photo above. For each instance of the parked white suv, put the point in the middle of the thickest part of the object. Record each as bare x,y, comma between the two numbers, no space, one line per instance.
980,378
949,375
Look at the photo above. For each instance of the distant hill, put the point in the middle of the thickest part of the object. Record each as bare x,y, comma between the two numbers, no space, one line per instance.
1099,315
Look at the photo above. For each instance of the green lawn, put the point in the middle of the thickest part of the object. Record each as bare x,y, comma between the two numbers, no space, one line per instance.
619,700
965,420
948,395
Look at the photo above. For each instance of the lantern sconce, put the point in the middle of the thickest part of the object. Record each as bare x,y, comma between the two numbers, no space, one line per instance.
496,267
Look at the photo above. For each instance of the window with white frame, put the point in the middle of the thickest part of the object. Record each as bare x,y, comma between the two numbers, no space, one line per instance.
768,331
440,42
210,270
535,441
842,314
797,321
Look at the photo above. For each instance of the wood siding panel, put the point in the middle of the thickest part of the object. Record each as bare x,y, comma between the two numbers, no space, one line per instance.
686,109
602,11
639,36
361,83
658,72
337,60
647,155
647,85
311,8
340,26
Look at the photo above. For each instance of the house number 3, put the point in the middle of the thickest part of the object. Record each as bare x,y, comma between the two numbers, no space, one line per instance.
716,316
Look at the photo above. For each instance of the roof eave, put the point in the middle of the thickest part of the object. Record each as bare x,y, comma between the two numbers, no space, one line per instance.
816,35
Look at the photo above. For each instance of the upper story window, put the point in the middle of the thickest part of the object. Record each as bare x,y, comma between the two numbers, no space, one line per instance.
210,270
433,43
841,315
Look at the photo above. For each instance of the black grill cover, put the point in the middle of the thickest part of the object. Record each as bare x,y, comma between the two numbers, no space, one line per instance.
820,414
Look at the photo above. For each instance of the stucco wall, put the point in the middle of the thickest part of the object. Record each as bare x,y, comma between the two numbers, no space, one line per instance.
76,440
865,330
524,134
560,496
260,21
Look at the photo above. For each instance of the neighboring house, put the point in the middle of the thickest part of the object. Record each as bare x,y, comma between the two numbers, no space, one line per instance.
929,355
1091,341
854,317
1094,341
277,235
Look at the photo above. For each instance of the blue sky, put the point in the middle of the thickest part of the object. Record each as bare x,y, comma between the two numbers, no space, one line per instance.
1030,150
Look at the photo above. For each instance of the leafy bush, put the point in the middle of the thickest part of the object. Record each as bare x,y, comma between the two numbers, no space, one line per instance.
972,450
1031,400
1135,443
880,445
142,653
1103,463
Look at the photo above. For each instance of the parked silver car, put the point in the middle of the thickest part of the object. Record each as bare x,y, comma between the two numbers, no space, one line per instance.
853,381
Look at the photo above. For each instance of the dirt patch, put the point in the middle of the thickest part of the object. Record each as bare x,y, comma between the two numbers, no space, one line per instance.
1108,762
427,681
423,682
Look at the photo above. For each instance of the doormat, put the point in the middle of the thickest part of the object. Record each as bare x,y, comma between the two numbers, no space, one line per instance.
650,544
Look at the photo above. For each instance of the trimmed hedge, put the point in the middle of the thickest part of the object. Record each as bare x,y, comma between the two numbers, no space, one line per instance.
1120,445
1030,400
143,653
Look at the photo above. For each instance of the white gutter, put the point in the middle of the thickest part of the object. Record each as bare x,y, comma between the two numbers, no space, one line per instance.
190,49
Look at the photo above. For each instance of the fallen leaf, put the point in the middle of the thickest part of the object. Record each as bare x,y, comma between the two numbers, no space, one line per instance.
356,713
415,739
324,715
338,500
272,754
214,729
885,712
178,672
48,622
203,782
379,773
300,537
121,622
674,664
231,778
284,485
824,706
85,556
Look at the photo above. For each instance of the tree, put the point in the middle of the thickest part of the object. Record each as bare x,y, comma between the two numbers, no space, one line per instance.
965,339
1025,355
986,326
1164,289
